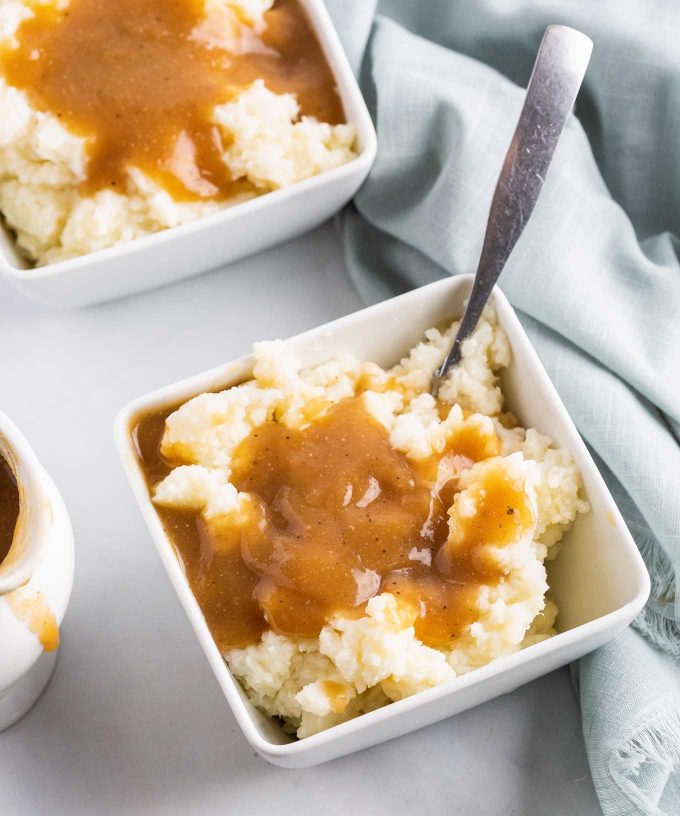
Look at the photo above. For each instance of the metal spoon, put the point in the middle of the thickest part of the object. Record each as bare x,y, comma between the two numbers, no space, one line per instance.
559,69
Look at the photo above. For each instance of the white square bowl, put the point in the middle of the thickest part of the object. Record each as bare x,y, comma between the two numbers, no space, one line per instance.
216,239
599,580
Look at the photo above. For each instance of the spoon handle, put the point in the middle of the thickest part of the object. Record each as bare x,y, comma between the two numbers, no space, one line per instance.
559,69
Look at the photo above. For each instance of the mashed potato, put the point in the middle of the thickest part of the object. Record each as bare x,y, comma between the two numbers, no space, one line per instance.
42,164
359,664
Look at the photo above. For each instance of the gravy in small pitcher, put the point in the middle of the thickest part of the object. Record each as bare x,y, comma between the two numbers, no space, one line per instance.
9,507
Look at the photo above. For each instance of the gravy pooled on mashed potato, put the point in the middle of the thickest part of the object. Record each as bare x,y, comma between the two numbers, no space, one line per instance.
9,507
140,80
350,539
339,515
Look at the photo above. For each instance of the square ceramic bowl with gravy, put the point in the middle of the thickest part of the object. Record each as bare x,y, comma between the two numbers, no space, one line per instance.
359,560
141,143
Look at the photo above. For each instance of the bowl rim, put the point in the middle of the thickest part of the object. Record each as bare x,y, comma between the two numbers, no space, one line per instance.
183,389
357,114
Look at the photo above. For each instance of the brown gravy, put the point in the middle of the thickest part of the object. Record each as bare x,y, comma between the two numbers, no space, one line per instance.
129,76
9,507
341,515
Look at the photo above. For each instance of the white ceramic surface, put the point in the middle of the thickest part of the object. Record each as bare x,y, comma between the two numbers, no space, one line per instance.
216,239
39,561
599,581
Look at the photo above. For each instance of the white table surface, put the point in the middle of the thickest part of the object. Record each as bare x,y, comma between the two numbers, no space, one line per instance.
133,721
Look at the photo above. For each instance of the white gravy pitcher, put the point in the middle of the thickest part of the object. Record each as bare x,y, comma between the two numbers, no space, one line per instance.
36,577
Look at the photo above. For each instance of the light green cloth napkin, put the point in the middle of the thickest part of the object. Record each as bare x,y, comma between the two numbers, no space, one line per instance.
595,278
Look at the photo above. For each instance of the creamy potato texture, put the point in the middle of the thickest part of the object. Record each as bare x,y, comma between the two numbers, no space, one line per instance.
428,558
118,120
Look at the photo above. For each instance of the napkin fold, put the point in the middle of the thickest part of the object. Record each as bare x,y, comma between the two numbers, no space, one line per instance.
595,280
